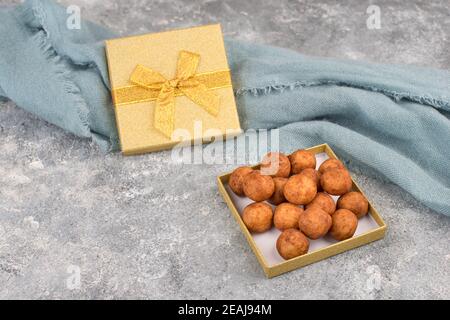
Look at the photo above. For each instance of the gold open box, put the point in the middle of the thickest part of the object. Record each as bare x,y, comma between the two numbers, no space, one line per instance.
374,229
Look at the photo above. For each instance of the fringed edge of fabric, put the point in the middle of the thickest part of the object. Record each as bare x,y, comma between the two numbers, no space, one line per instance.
442,102
3,97
33,13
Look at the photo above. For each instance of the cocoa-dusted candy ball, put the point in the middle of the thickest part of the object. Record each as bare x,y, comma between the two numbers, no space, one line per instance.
336,181
292,243
300,189
258,217
344,224
323,201
331,164
236,181
355,202
314,222
278,195
258,187
313,174
286,216
276,164
302,159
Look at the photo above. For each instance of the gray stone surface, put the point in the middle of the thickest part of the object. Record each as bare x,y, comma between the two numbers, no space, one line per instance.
145,227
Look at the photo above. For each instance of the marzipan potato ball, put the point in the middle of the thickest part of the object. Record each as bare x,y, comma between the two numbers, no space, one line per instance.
300,189
286,216
344,224
331,164
313,174
276,164
323,201
278,195
314,222
292,243
258,187
258,217
355,202
336,181
302,159
236,181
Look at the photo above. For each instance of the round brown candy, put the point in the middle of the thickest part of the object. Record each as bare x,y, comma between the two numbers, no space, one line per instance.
286,216
258,187
258,217
278,195
302,159
331,164
344,224
336,181
314,222
276,164
313,174
355,202
236,181
292,243
300,189
323,201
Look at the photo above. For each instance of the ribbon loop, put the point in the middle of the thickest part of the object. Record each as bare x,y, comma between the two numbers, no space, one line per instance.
147,78
187,65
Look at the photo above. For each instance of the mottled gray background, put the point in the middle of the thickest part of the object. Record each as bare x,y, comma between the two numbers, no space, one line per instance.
145,227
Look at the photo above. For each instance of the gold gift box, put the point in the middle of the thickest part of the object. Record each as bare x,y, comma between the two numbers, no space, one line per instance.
374,229
132,60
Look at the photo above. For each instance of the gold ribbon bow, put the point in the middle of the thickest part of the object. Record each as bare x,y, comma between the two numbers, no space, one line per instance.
150,85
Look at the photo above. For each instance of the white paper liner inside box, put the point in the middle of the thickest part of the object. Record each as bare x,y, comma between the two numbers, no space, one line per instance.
266,241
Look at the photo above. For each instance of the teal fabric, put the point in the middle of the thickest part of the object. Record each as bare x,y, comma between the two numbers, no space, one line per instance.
390,121
58,74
